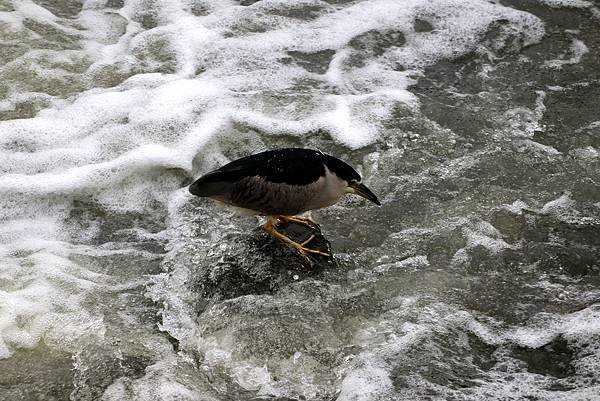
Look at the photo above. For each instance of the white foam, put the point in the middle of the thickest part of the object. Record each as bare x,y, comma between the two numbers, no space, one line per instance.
589,153
352,120
577,50
412,263
42,298
567,3
252,378
114,125
559,205
159,383
486,235
370,382
577,326
517,206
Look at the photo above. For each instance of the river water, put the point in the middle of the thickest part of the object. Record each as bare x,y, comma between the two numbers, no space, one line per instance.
476,122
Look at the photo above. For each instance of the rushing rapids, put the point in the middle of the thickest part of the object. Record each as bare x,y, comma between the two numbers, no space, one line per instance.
476,121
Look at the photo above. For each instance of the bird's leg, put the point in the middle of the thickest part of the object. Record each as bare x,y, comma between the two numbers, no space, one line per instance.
307,221
302,250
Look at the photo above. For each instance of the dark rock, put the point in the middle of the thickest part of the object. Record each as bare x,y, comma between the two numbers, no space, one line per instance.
264,265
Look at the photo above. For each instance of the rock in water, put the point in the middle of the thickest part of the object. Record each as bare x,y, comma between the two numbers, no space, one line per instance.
261,264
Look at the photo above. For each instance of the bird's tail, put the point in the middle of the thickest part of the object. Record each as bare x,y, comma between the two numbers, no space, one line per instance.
210,185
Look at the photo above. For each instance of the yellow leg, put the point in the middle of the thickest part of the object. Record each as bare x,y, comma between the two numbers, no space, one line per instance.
302,250
300,220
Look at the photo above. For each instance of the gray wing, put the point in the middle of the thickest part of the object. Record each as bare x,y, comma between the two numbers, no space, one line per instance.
212,185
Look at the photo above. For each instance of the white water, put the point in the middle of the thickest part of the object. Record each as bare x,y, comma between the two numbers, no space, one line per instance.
109,109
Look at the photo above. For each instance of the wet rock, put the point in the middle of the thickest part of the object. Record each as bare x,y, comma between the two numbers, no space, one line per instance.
264,265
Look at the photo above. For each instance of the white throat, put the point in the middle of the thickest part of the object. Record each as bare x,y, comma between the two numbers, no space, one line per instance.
329,189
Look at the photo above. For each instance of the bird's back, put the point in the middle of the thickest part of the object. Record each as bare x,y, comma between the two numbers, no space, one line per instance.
289,166
250,182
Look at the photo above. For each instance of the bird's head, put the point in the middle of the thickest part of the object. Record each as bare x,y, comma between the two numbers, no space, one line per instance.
350,177
357,188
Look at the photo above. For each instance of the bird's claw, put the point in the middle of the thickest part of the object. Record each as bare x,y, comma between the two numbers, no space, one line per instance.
308,240
305,252
306,256
303,249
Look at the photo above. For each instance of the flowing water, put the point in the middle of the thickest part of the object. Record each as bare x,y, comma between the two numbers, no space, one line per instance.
476,122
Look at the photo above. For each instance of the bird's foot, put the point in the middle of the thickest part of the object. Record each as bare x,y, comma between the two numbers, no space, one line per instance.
300,220
308,240
306,253
299,247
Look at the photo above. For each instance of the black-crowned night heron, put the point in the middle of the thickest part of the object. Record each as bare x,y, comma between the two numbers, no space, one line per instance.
281,184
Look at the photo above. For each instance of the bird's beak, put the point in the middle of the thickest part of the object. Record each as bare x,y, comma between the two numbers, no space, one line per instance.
362,190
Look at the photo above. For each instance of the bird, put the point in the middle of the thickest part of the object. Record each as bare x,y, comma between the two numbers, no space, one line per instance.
282,184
